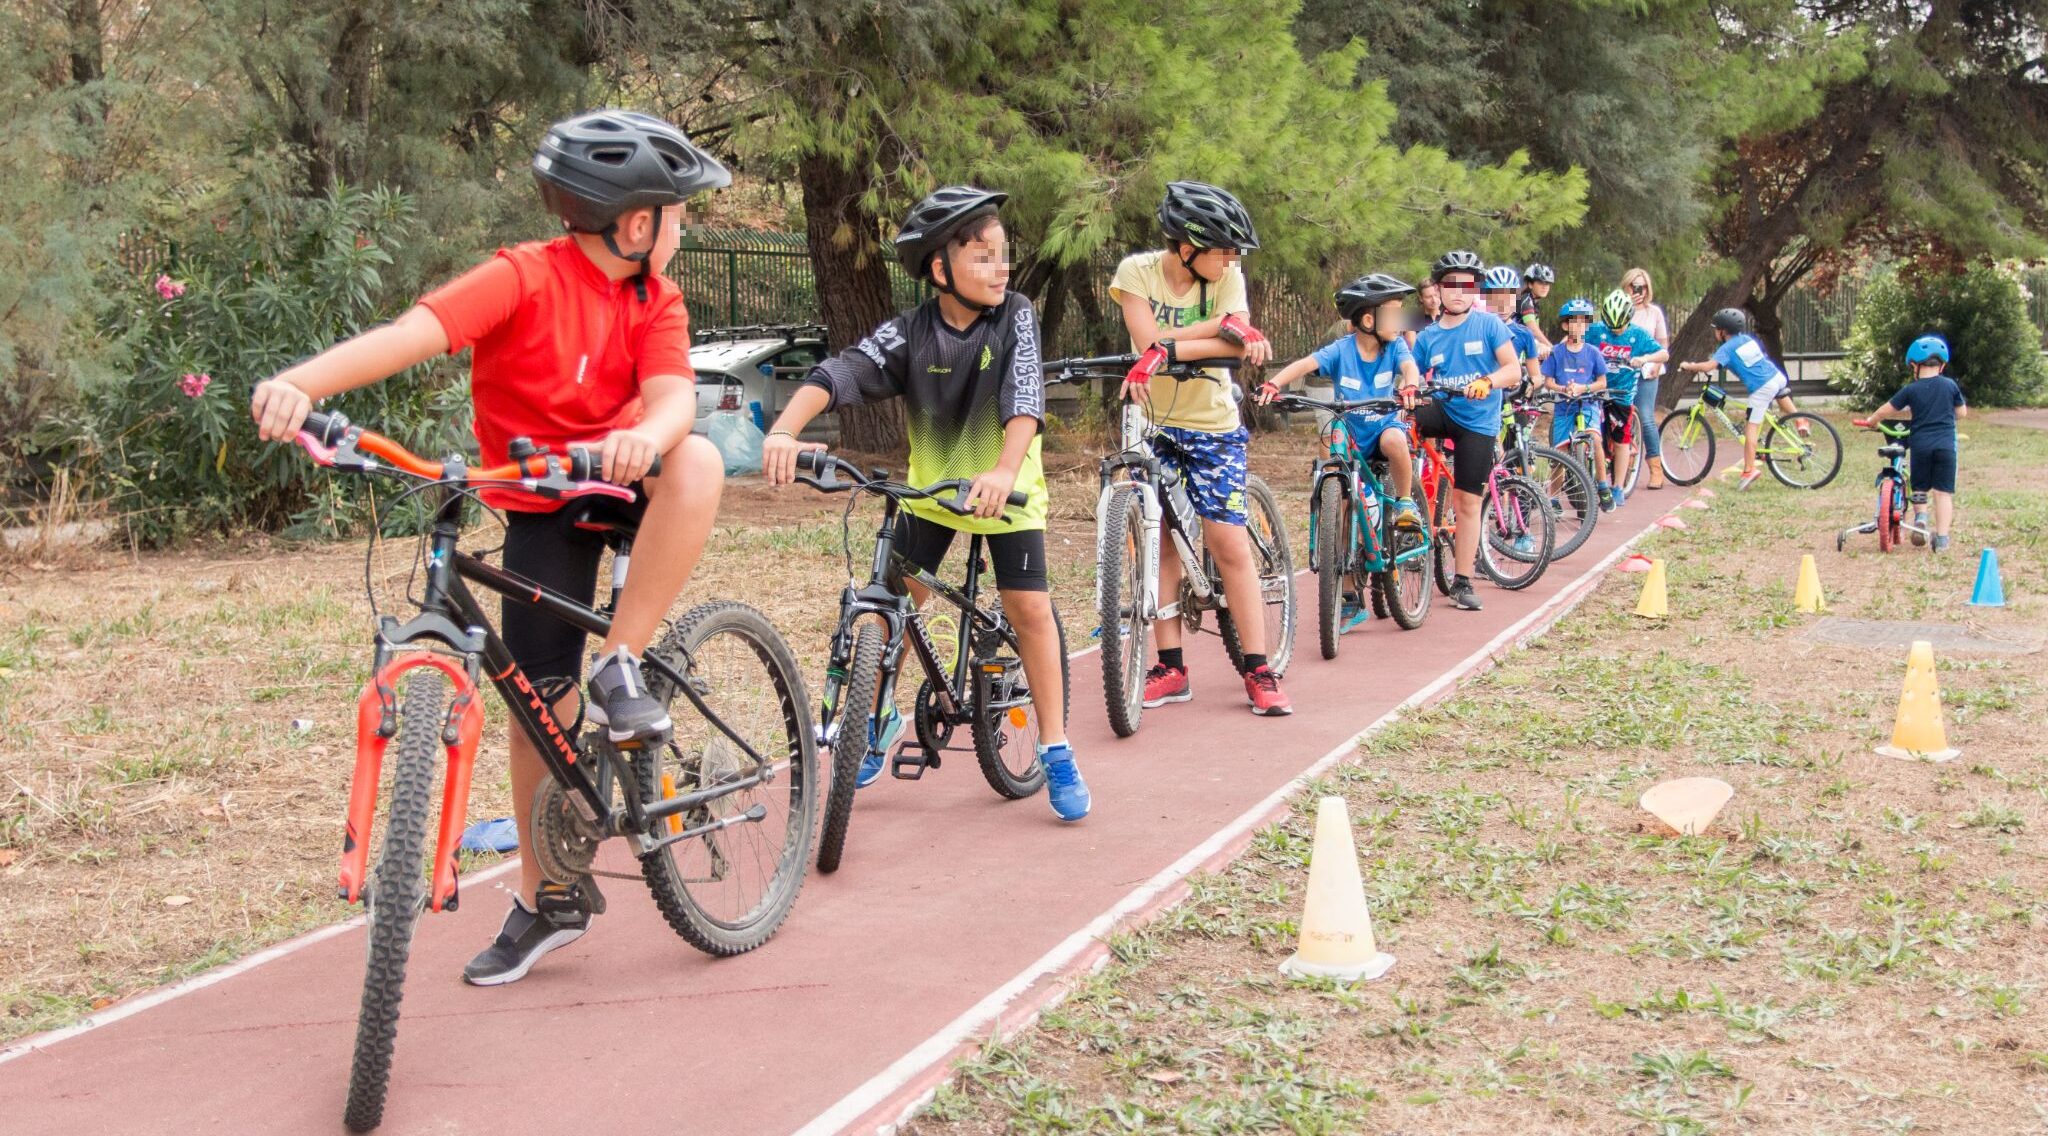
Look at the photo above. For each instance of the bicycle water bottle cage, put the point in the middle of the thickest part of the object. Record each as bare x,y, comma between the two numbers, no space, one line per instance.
1713,395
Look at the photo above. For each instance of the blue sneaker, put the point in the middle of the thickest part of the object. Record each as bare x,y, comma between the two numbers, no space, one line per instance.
1620,497
881,736
1525,544
1352,614
1063,784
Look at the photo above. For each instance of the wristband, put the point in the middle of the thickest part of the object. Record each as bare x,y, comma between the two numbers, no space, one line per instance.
784,433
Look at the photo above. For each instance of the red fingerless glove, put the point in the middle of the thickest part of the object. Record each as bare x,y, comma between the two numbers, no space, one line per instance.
1237,331
1147,366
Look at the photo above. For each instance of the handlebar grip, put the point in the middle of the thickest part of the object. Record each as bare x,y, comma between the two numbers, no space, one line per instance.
326,426
587,464
1018,500
809,461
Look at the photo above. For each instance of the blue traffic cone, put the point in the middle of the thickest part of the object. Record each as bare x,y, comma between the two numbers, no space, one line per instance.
1990,590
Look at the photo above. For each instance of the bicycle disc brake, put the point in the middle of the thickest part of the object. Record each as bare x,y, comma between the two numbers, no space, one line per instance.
564,841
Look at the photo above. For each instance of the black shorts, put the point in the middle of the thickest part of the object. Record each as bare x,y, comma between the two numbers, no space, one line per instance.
551,550
1620,423
1017,557
1934,469
1471,452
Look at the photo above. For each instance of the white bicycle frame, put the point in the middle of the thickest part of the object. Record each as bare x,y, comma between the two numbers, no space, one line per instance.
1148,608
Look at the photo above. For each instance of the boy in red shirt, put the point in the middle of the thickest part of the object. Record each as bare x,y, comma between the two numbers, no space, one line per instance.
575,340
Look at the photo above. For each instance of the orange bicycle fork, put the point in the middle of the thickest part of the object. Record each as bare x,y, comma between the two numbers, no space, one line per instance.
376,724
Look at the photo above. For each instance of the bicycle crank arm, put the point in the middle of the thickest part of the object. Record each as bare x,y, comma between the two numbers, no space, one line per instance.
756,814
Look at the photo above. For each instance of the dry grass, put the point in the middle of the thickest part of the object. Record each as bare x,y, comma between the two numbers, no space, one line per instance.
1858,947
159,813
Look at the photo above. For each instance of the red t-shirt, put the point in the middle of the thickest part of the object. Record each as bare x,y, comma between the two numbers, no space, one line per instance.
560,349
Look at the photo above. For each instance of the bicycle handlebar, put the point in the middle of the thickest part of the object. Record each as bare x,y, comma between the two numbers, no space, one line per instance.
825,467
1116,366
1337,406
335,442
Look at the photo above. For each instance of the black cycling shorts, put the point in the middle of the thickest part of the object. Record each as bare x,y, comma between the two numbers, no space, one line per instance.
1471,452
1017,557
1934,469
551,550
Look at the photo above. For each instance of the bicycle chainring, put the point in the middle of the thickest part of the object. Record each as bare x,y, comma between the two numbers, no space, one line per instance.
564,841
934,733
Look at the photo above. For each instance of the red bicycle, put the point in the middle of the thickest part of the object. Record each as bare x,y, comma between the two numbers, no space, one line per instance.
719,817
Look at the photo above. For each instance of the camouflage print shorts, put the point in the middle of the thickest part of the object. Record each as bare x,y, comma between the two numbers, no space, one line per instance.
1213,466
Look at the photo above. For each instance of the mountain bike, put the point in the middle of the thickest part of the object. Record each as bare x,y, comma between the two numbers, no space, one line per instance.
719,816
1518,530
1573,495
1143,508
1889,521
984,688
1352,541
1805,458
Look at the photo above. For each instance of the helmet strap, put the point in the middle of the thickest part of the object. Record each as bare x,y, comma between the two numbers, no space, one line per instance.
946,262
645,258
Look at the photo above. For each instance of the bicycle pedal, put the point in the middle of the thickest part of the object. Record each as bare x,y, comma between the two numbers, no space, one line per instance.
914,759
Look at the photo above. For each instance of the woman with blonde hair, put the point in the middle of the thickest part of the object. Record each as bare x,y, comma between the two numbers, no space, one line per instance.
1650,317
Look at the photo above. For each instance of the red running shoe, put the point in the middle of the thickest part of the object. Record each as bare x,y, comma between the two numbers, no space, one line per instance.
1164,684
1262,690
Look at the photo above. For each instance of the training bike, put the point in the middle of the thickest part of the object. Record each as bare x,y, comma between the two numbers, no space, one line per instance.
1518,530
984,687
1573,495
1802,449
1142,513
1354,547
719,815
1889,521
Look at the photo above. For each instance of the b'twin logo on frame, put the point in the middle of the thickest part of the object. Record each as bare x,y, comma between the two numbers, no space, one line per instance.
547,717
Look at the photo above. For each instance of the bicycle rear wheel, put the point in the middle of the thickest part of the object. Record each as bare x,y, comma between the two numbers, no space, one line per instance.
1274,560
1688,444
397,894
1333,546
1806,461
1120,609
1566,481
1516,533
1627,478
727,891
850,746
1006,716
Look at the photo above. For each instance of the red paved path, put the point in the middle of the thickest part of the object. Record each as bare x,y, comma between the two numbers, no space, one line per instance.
946,893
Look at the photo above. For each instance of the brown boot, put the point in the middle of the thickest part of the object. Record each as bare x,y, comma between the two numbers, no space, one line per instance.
1656,473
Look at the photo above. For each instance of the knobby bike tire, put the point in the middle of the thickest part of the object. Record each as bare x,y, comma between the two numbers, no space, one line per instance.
1332,554
1515,569
1119,600
1821,452
1443,542
687,915
856,710
1579,498
994,727
1396,584
1635,454
398,893
1275,561
1696,459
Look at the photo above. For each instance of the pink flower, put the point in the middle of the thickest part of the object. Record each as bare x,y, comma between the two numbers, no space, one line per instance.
168,288
194,385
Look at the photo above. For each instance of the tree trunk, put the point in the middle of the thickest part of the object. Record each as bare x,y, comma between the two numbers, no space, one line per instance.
848,262
87,51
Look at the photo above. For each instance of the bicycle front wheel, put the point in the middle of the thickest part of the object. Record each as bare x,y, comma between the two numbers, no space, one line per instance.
1887,516
850,746
1688,444
1804,460
398,892
1442,554
1404,588
1006,730
1120,607
1516,534
1274,560
1332,547
728,891
1569,487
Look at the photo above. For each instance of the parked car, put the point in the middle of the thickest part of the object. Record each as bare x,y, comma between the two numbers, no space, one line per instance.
756,369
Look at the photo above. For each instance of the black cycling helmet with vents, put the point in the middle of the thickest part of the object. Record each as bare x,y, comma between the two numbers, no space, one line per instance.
596,166
1457,260
929,228
1734,321
1368,292
1206,217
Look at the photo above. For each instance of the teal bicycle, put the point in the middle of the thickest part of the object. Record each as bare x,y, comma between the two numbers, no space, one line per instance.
1355,550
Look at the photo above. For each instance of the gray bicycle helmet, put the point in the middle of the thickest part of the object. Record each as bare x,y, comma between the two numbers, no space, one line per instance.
1540,273
596,166
1368,292
1457,260
1734,321
931,225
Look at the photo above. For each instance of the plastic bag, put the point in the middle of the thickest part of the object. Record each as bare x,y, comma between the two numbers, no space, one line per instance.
737,439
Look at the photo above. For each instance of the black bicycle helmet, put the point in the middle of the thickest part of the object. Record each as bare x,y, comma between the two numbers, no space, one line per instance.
1734,321
932,223
1540,273
1368,292
596,166
1457,260
1206,217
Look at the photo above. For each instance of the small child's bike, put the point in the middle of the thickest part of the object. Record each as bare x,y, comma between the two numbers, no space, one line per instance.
1353,546
1802,450
1889,522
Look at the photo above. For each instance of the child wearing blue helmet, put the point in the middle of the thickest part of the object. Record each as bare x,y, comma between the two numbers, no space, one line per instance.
1930,404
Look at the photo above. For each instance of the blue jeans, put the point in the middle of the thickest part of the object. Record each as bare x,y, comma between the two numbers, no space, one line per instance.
1646,413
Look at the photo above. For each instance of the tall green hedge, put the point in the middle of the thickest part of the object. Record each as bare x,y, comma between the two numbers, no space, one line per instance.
1995,349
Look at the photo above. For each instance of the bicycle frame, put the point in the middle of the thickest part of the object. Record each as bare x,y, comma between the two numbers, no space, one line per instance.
1767,434
1138,466
1351,474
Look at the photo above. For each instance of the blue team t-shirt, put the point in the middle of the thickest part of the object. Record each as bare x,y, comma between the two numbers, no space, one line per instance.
1933,401
1618,347
1745,356
1461,354
1353,376
1567,366
1524,341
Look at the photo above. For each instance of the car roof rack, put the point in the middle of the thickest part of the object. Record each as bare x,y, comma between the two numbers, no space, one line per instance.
787,332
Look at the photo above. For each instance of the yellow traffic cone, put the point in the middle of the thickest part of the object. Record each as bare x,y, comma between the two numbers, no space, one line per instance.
1917,734
1654,604
1336,928
1806,596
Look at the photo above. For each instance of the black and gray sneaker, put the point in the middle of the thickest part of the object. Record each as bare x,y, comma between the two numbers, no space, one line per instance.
527,935
1463,595
620,702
